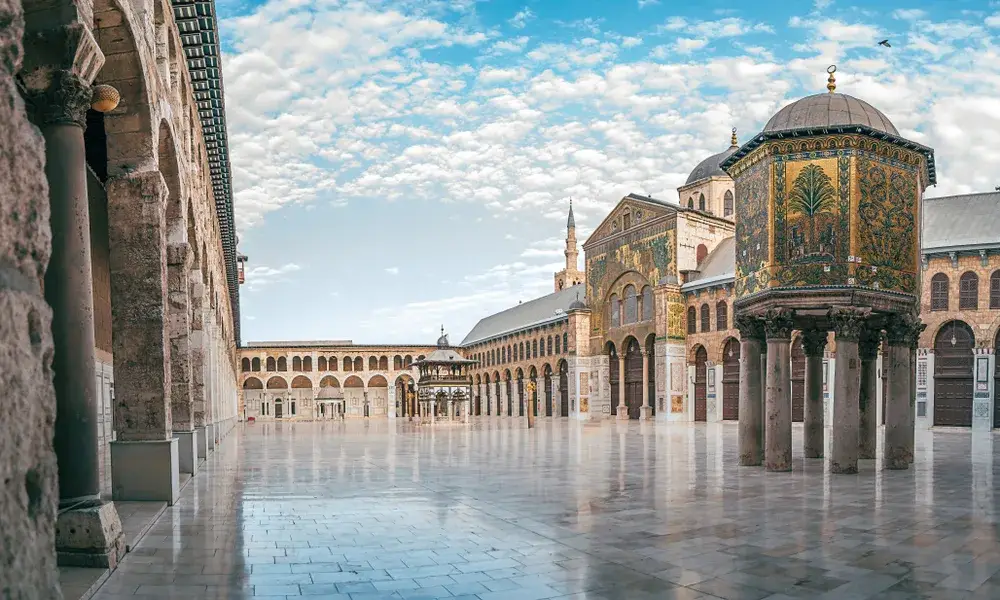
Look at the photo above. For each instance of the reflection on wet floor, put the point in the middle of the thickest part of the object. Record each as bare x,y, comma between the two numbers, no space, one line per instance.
616,510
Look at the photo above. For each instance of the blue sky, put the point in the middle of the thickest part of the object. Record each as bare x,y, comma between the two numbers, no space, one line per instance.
400,164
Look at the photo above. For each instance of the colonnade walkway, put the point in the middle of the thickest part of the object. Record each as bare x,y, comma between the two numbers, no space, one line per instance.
630,510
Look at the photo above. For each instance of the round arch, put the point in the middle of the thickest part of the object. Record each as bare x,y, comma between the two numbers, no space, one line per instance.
301,382
700,383
377,381
277,383
252,383
329,381
731,379
354,382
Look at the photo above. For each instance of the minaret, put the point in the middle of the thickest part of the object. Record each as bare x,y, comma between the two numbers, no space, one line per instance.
570,275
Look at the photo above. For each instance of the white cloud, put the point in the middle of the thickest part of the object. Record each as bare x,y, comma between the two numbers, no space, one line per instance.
631,42
644,3
688,45
522,17
392,270
993,20
262,276
909,14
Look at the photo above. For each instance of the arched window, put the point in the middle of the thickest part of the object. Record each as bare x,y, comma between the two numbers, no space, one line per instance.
631,305
558,351
939,292
245,365
307,363
727,204
321,363
548,344
706,318
616,310
626,220
701,201
721,316
541,346
691,202
565,342
968,291
255,364
520,351
407,361
383,363
692,320
373,363
702,253
271,365
397,363
359,365
647,303
333,363
282,363
534,348
348,364
995,290
296,363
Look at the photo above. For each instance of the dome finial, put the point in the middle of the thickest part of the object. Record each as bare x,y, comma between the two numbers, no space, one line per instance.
831,81
734,142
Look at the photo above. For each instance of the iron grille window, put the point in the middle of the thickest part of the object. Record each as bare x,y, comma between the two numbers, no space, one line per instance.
558,351
706,319
995,290
727,209
939,292
565,342
968,291
692,320
721,316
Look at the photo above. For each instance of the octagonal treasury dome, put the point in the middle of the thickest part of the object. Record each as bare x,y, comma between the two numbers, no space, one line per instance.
829,110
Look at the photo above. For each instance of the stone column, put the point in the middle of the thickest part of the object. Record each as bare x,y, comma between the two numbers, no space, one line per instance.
144,459
178,266
898,447
813,442
622,408
646,412
868,396
916,328
848,324
88,531
778,426
751,421
196,345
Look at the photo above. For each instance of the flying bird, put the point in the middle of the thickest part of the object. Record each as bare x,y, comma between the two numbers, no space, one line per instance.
885,43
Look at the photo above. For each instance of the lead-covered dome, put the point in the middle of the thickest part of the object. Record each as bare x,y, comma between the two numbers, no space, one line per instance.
710,166
829,110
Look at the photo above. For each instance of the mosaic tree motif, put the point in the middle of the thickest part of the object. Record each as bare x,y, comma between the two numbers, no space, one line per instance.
887,226
812,195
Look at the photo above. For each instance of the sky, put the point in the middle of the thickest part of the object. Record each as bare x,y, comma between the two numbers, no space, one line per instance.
399,165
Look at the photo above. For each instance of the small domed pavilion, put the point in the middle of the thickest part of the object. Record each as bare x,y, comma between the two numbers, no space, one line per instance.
444,387
828,203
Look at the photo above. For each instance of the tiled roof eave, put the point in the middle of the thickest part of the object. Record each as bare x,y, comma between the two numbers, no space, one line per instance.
198,28
864,130
532,325
699,284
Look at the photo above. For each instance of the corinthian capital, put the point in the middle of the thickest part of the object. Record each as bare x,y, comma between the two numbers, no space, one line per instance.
813,342
750,326
64,101
848,323
778,324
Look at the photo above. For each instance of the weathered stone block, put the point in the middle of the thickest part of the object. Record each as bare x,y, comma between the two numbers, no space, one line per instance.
187,451
90,536
147,470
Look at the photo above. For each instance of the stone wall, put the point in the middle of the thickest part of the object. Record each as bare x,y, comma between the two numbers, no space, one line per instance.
985,322
29,497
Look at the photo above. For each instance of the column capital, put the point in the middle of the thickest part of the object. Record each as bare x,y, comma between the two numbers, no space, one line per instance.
750,326
63,101
814,342
778,324
869,343
904,330
848,323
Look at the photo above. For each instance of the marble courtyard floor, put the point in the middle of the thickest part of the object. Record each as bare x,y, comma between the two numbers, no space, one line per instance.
632,511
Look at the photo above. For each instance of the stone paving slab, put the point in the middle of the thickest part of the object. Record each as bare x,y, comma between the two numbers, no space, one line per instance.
622,510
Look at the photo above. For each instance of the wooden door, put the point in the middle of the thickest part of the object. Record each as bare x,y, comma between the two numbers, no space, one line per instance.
731,380
633,380
548,393
953,385
564,388
613,376
277,410
798,381
701,384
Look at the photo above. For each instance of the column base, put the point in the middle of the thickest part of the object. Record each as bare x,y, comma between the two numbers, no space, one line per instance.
622,414
90,535
201,441
187,451
210,436
646,413
145,470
